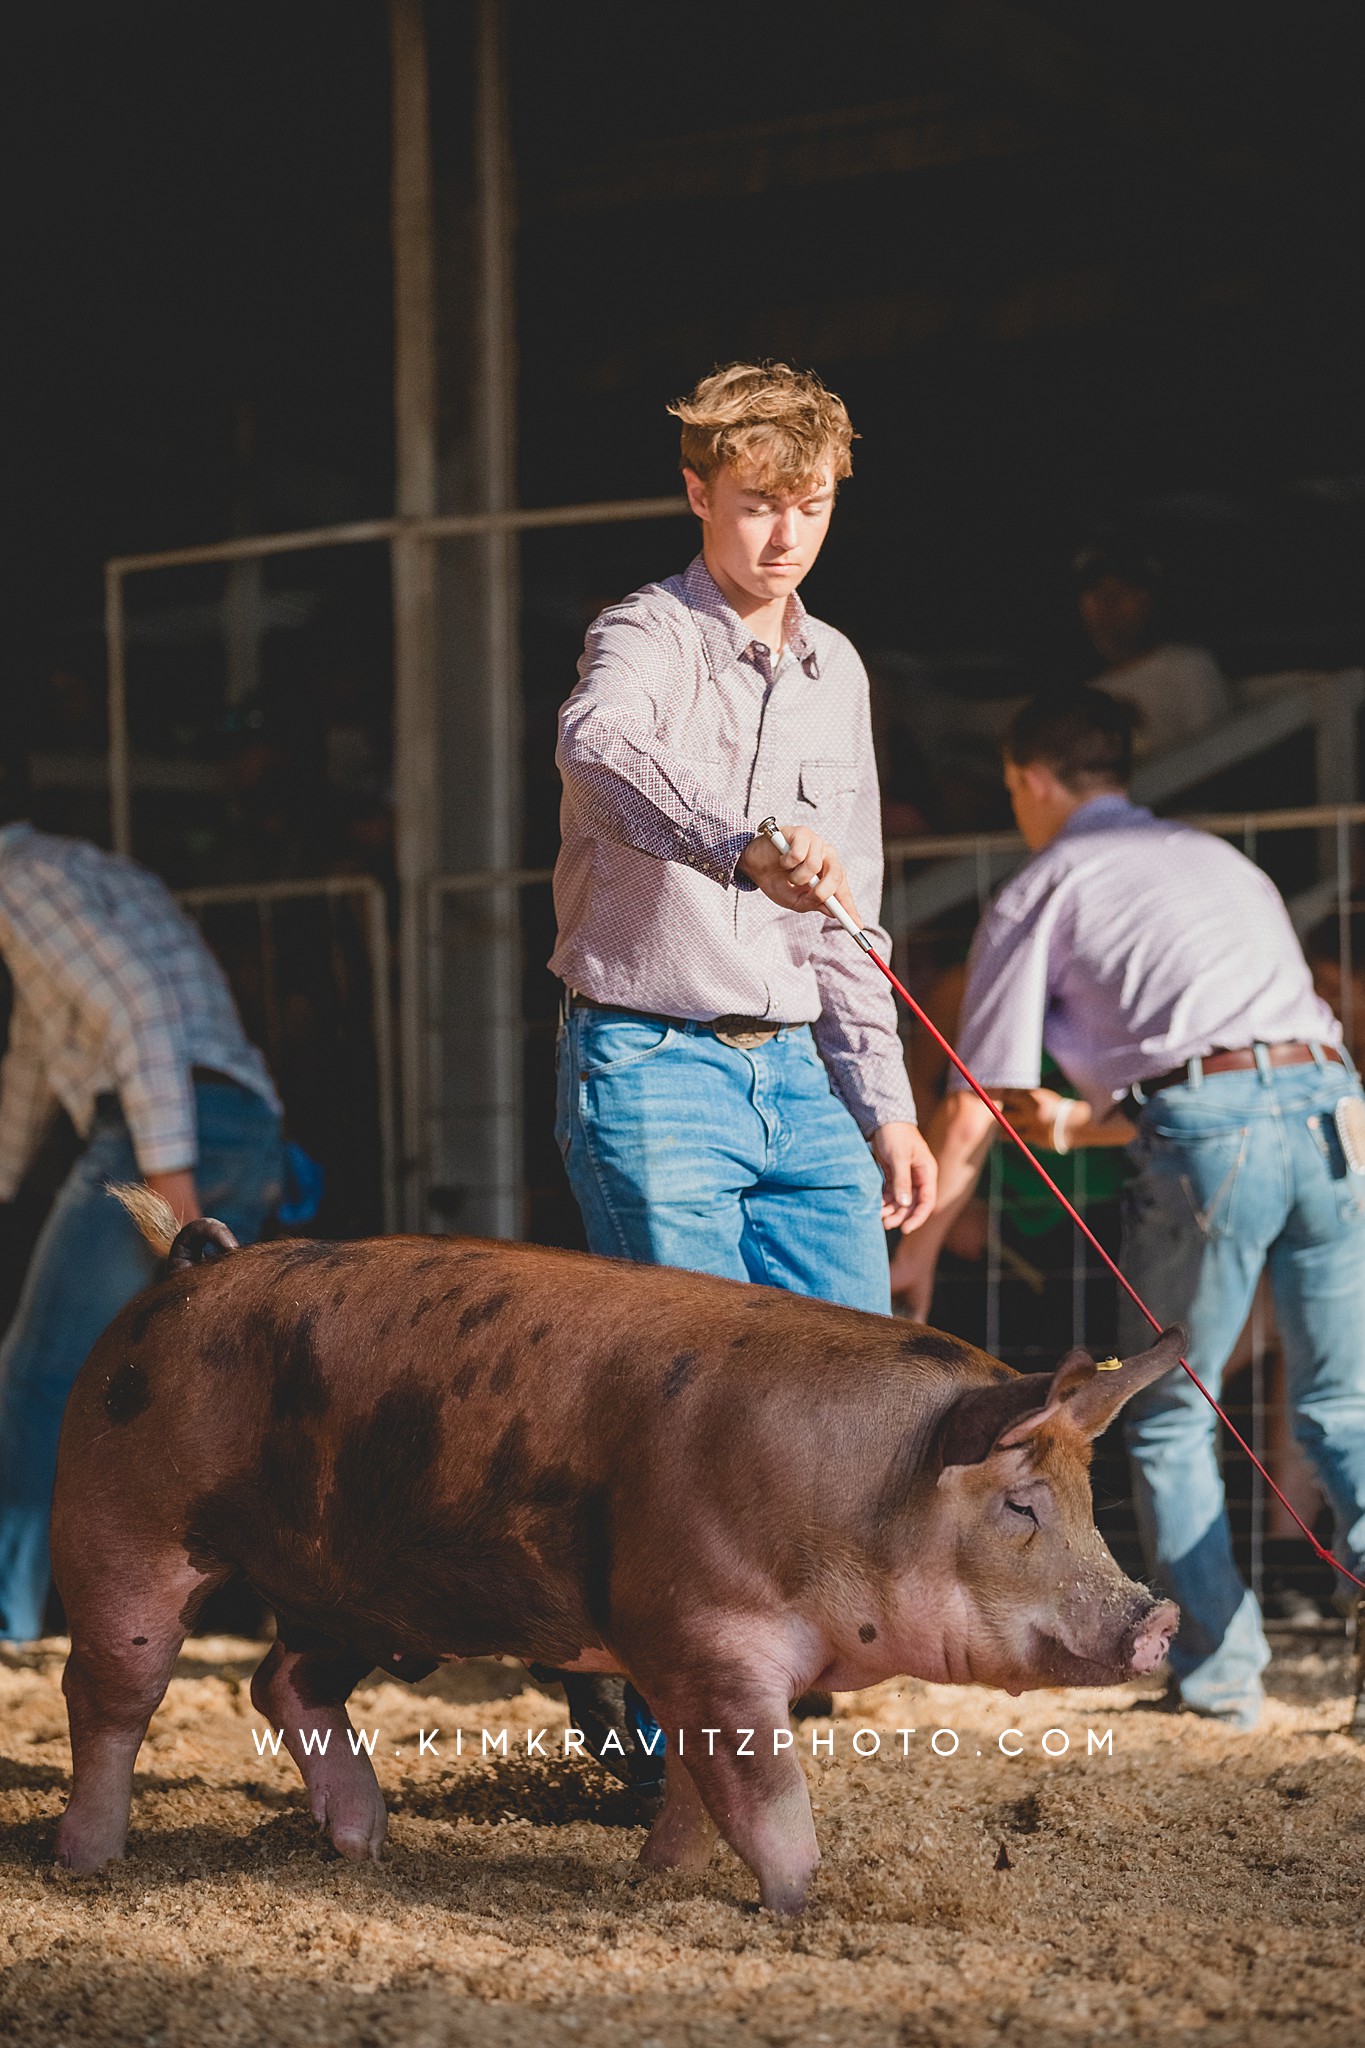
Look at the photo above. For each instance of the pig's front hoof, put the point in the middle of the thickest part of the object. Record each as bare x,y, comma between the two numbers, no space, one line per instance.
83,1854
357,1826
786,1894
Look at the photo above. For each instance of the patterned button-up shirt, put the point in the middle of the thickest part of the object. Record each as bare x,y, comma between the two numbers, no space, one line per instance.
115,992
677,741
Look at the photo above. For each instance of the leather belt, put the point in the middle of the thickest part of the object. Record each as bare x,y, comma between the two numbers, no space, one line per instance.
1288,1053
742,1032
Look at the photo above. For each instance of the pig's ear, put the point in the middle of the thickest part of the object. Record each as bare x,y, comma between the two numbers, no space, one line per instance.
990,1418
1098,1399
1076,1370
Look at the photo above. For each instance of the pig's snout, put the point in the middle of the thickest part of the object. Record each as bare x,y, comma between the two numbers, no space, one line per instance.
1153,1637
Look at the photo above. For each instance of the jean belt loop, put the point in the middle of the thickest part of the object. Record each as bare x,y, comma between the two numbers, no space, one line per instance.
1263,1066
1347,1061
1320,1060
1194,1071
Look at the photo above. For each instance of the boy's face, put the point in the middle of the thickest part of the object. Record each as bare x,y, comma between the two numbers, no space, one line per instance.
758,545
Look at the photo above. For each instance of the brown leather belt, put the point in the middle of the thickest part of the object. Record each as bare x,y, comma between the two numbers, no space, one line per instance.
1289,1053
743,1032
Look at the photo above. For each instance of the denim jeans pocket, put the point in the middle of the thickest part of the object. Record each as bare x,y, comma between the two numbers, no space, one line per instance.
1192,1178
606,1044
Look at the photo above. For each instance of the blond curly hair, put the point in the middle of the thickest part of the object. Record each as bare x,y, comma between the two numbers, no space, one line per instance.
778,428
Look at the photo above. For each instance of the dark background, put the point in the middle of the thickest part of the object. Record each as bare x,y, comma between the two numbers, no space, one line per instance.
1061,260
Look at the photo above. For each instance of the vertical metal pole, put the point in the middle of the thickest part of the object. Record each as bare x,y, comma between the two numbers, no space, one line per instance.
381,1024
1344,948
414,682
116,660
496,469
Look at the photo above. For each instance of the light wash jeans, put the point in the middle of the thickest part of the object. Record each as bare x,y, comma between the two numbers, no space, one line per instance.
1241,1172
88,1262
682,1151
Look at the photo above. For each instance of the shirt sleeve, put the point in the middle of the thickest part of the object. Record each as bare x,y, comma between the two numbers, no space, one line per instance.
26,1101
95,981
856,1030
1004,1007
629,785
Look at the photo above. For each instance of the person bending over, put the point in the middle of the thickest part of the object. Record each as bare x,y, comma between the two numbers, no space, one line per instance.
122,1016
1159,968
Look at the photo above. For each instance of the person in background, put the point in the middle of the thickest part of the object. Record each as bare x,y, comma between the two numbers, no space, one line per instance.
1177,690
122,1016
1160,969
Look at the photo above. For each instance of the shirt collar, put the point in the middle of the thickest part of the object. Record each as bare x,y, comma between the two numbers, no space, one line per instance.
727,632
1102,814
11,834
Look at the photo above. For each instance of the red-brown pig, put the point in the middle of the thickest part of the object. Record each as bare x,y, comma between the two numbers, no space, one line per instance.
417,1448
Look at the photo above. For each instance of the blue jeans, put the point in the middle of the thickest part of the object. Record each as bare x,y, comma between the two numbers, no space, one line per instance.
89,1260
683,1151
1241,1172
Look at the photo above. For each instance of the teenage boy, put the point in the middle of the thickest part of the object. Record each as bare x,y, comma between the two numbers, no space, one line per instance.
732,1090
1160,969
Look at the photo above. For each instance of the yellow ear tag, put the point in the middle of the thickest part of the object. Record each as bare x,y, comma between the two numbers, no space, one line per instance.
1108,1364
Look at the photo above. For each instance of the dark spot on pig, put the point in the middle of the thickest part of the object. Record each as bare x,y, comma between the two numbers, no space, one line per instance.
483,1311
681,1371
386,1323
221,1347
429,1265
933,1344
143,1317
451,1294
738,1343
501,1377
127,1393
539,1334
299,1388
471,1256
323,1673
867,1634
304,1252
138,1641
462,1381
338,1296
423,1308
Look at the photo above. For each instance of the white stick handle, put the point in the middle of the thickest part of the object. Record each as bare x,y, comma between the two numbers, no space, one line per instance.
833,907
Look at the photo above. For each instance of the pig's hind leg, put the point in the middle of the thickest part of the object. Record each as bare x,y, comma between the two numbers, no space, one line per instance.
128,1616
302,1688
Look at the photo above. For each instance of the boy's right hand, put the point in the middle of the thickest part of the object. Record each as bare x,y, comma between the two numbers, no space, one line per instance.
803,878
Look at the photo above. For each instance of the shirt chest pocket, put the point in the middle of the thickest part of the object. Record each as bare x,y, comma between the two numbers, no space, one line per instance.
825,790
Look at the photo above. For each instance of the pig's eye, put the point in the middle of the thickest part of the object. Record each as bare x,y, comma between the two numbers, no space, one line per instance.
1021,1507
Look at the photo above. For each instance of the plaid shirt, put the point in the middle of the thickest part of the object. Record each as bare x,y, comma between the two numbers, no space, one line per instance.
678,739
114,992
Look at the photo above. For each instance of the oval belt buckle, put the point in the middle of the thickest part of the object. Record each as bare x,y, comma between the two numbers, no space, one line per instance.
743,1034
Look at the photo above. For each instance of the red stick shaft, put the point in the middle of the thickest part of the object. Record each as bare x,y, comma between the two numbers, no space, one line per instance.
1088,1234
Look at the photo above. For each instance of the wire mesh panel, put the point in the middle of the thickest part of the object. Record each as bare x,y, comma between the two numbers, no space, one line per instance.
308,966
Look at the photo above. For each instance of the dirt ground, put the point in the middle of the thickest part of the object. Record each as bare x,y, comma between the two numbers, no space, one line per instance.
1192,1883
